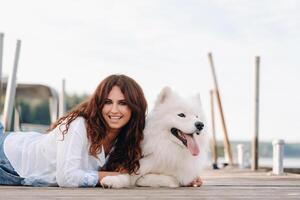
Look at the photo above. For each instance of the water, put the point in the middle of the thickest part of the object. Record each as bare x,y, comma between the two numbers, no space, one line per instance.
268,162
287,162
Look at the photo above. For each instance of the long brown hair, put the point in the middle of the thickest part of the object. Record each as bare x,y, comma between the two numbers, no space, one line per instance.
127,151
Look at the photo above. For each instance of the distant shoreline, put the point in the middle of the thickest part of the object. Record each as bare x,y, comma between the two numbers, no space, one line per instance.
291,150
264,162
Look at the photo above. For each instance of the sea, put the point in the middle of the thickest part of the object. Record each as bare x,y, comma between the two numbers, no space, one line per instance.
291,154
268,162
287,162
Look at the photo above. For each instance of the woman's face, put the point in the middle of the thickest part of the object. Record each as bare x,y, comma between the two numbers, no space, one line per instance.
115,111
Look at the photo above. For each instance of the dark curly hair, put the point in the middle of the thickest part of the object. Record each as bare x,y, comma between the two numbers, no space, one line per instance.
127,151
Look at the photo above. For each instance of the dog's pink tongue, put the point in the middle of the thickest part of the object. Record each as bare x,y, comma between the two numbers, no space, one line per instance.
192,145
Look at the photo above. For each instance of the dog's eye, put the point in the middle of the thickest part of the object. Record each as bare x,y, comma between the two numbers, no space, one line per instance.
181,115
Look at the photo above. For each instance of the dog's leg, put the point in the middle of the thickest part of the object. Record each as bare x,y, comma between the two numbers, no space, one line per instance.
157,180
119,181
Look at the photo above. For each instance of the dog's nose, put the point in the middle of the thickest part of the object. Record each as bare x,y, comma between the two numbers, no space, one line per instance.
199,125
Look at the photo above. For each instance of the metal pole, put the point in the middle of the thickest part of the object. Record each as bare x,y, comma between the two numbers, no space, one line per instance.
11,90
54,105
226,140
213,141
255,147
62,99
1,60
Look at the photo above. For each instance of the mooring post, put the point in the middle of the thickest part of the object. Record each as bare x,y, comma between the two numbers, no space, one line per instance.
1,60
241,156
54,105
278,147
227,147
62,99
213,139
11,91
255,143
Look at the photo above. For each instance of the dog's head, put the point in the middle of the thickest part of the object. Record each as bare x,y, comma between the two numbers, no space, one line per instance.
181,120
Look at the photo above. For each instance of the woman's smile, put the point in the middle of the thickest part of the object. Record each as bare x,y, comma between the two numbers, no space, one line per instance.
115,111
114,118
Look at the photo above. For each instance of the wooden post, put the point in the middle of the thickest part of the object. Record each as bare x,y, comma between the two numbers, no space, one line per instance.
226,140
54,105
62,99
1,60
255,148
213,141
11,91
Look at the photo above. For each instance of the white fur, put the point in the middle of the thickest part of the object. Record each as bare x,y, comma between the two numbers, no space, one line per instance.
167,162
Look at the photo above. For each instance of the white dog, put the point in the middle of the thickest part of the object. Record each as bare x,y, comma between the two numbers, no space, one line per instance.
174,146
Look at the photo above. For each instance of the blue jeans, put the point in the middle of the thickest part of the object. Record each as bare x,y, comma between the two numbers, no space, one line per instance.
8,176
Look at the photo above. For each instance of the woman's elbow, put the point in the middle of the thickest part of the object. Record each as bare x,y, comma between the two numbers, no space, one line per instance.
66,180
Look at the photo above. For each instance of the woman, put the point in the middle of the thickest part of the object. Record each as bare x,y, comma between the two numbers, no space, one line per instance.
103,132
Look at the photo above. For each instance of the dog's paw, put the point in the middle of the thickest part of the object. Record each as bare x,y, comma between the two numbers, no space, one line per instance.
120,181
157,180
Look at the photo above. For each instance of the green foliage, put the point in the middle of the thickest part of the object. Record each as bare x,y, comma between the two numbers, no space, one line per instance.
74,100
24,111
34,114
38,113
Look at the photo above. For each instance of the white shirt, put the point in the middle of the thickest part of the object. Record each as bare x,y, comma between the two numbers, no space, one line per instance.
54,159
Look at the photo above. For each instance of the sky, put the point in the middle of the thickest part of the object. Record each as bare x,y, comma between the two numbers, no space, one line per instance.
165,43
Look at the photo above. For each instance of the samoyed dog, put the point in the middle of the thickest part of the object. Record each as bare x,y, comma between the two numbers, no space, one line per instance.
174,147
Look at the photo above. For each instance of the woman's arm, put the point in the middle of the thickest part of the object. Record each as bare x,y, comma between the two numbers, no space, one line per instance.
72,158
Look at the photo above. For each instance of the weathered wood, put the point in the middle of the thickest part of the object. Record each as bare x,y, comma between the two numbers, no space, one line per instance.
1,59
227,147
11,90
218,184
213,138
62,99
254,162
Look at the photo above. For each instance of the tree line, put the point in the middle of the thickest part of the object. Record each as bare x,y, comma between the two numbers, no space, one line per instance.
38,112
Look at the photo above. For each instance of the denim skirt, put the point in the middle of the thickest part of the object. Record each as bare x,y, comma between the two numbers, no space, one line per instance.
8,176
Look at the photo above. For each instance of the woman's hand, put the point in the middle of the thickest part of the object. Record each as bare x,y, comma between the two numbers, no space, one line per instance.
196,182
122,170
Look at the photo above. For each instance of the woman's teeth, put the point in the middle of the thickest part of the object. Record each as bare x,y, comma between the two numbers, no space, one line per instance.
115,117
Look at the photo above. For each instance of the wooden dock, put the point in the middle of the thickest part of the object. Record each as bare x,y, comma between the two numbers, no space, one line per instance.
219,184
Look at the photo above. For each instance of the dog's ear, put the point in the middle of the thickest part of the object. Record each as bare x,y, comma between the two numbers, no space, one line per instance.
163,95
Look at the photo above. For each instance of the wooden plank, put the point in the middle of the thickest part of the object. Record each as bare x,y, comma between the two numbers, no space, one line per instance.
219,184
